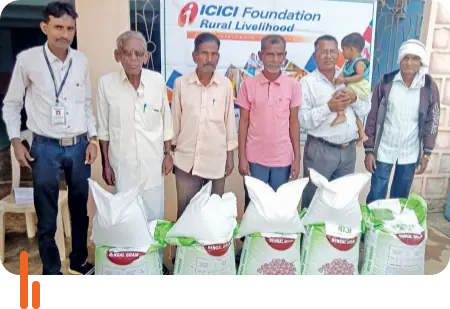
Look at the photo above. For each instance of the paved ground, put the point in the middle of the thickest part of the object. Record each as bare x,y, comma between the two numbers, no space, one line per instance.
438,222
437,253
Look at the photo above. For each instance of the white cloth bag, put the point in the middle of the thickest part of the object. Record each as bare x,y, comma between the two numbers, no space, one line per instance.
120,220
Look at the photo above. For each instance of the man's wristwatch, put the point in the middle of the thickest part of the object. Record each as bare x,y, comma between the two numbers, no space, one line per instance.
167,153
426,157
94,140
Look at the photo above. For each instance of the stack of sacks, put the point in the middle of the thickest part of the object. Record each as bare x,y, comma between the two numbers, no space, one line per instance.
395,237
126,242
272,228
204,233
333,226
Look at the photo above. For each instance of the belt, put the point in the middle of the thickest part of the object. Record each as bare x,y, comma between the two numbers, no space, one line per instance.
340,146
64,142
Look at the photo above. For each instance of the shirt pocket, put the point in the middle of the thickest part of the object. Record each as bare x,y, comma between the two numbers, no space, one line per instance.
152,118
215,110
77,89
282,108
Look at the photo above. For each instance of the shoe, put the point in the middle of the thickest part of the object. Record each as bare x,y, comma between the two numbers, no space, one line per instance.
55,276
85,269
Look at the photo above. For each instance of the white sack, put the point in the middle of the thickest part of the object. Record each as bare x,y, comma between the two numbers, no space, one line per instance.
120,219
329,249
127,261
218,259
270,254
336,202
203,235
209,219
270,211
396,236
331,243
272,228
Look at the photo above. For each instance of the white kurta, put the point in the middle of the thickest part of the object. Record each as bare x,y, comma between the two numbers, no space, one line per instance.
136,123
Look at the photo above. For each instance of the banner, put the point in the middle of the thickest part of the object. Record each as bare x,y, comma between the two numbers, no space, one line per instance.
241,27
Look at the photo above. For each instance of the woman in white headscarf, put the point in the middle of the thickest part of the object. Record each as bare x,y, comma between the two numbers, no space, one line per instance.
402,125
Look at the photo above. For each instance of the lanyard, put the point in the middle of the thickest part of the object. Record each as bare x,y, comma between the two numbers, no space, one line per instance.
57,92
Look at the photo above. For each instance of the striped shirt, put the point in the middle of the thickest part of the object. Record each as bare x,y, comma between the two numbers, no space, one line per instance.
400,139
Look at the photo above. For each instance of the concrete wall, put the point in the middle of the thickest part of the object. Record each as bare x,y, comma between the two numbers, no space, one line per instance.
99,24
436,35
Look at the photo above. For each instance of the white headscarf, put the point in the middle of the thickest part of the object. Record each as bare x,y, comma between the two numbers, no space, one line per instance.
415,48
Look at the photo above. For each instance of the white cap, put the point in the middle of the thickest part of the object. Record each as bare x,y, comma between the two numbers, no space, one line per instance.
415,48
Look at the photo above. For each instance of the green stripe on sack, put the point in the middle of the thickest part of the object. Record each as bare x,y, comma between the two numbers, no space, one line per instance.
375,218
419,205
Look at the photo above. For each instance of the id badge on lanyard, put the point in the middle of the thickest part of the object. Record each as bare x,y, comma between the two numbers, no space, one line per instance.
58,115
58,111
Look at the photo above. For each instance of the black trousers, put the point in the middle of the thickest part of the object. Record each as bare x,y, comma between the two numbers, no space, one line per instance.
49,160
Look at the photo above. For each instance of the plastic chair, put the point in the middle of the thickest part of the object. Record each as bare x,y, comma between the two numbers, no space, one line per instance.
8,205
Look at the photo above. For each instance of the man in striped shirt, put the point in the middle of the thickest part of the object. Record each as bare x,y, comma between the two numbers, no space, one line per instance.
402,125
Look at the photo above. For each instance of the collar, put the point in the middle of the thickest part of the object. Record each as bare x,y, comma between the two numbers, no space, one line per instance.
320,77
194,79
124,78
418,81
52,58
263,79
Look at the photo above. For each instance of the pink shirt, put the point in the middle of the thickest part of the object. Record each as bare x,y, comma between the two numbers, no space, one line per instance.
269,103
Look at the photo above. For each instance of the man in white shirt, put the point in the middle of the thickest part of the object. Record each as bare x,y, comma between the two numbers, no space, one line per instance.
55,82
135,125
402,125
329,150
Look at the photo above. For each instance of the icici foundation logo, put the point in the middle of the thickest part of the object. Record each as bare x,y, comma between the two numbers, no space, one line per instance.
188,14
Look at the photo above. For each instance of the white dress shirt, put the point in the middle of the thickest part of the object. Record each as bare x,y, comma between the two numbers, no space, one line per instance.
31,79
400,139
136,123
315,115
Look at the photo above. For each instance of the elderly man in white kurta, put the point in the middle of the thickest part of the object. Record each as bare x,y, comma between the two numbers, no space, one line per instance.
135,125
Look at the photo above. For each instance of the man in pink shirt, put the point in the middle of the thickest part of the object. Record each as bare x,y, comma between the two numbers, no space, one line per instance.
269,129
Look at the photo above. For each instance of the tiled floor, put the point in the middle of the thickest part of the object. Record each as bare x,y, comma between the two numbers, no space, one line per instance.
437,253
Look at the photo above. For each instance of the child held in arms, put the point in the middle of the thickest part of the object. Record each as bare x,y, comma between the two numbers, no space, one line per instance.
355,75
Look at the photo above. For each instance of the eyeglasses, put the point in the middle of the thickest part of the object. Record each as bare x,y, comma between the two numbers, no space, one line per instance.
332,53
129,53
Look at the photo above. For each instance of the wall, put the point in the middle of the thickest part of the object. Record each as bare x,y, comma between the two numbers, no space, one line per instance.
436,35
98,26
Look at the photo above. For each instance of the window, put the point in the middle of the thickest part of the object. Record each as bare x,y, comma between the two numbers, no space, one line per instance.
144,17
